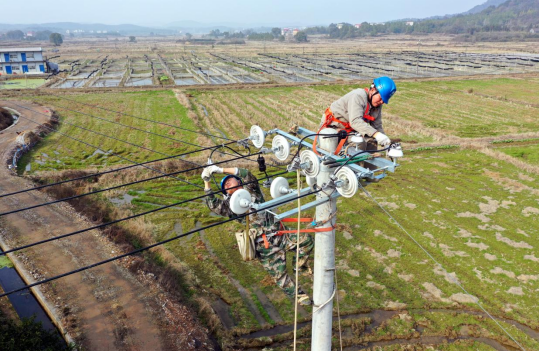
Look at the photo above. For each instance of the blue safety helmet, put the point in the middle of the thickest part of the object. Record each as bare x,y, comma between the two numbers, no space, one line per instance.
223,181
386,87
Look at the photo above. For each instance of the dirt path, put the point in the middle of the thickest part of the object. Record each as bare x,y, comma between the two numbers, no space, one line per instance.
104,308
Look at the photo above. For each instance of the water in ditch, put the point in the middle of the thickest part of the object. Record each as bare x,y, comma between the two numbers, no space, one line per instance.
107,83
70,83
24,302
186,81
132,82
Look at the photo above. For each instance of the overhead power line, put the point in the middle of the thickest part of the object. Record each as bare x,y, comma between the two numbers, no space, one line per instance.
145,248
128,126
149,120
111,171
142,118
115,187
102,225
97,148
136,145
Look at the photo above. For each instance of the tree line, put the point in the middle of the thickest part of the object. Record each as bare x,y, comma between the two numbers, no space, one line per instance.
18,35
512,16
249,34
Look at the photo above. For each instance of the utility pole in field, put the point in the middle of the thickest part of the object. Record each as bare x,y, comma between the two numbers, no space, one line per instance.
324,257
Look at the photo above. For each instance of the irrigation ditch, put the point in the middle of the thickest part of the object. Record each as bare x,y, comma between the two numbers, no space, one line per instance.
30,302
359,331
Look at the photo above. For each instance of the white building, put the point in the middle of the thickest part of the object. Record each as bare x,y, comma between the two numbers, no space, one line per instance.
409,23
21,61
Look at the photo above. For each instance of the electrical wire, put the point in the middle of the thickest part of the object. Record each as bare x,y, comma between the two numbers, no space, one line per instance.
141,118
97,148
107,172
127,126
453,279
111,188
148,132
143,248
112,137
102,225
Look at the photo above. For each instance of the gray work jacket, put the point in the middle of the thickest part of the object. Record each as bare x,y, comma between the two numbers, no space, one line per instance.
351,108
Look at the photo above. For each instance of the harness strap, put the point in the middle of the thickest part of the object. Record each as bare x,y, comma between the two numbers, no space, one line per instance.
296,220
330,118
341,144
366,116
312,230
266,242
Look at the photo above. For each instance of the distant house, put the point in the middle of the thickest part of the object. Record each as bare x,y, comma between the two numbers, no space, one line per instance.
21,61
295,31
340,25
285,31
532,31
410,23
30,34
357,25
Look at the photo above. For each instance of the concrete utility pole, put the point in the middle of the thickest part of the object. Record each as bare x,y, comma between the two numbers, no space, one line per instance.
324,257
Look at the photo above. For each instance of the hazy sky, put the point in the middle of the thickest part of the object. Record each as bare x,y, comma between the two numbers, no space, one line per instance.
249,12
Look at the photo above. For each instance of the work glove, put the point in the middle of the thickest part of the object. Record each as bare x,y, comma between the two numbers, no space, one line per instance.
382,139
208,171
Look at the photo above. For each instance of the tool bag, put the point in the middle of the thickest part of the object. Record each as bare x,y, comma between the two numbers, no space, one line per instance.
246,242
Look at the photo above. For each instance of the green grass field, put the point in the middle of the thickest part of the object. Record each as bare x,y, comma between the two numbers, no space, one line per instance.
527,153
477,215
21,83
61,152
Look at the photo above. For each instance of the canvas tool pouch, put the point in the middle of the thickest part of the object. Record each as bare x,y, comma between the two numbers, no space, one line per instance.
246,244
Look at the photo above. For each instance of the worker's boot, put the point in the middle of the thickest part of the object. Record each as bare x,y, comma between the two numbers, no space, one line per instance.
304,270
304,299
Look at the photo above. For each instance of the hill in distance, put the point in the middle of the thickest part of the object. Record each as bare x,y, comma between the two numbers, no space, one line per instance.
483,6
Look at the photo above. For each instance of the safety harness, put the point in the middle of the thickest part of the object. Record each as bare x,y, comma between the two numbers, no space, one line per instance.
330,118
294,220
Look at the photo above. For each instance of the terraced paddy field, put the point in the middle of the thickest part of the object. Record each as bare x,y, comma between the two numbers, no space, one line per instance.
464,193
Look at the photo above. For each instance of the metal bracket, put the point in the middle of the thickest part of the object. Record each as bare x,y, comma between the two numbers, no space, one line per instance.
306,206
243,143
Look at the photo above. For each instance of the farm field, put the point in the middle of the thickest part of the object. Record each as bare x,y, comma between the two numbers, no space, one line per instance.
21,83
528,153
476,213
61,152
94,63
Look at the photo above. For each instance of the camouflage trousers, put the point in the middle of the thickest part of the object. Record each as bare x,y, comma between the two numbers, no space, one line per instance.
274,258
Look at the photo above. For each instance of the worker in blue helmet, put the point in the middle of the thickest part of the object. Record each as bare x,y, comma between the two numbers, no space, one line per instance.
360,111
271,247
